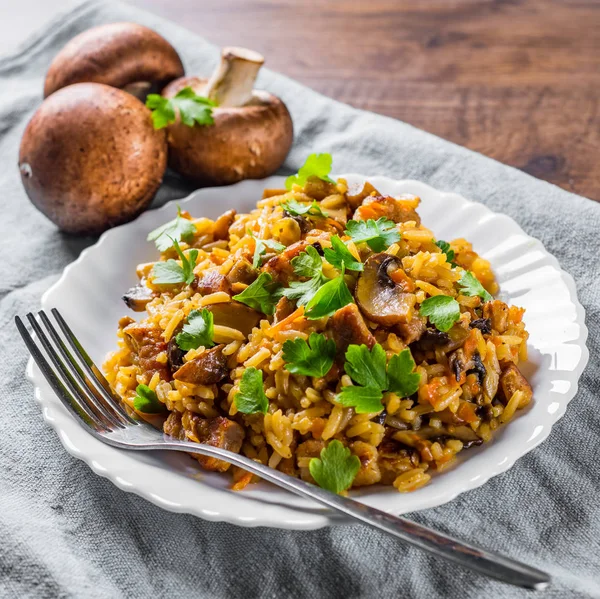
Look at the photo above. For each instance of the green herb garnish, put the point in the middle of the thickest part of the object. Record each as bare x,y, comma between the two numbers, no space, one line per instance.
377,234
262,295
445,247
251,398
339,255
171,273
314,358
192,108
306,264
442,310
260,249
145,401
330,297
296,208
470,285
316,165
199,330
336,469
178,229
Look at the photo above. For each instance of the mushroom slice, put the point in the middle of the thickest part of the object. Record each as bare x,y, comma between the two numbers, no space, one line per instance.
242,272
348,327
355,197
124,55
206,369
393,208
137,297
379,297
222,224
511,380
235,315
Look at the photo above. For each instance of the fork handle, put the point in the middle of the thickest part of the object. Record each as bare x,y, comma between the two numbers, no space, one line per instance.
485,562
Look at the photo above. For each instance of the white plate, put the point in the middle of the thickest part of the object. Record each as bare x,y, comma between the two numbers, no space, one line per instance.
89,296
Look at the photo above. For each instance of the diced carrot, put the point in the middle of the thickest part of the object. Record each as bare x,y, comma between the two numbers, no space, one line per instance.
466,411
401,278
287,321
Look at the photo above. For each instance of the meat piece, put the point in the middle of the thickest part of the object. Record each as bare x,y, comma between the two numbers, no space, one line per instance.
222,224
413,330
242,272
219,432
283,309
483,324
172,426
394,458
497,312
206,369
138,297
279,267
377,206
512,380
348,328
211,282
356,197
318,189
147,342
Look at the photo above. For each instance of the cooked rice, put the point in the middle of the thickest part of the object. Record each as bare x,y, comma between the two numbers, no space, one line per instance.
402,444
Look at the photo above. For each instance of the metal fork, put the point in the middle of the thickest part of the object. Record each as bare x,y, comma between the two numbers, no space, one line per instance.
85,392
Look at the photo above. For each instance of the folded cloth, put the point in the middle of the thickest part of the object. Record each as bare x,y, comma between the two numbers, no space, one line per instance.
65,532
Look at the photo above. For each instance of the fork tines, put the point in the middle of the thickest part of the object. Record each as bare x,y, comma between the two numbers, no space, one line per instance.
72,374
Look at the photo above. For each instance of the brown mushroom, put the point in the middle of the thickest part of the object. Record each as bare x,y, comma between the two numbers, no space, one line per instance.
379,297
124,55
235,315
90,158
252,131
137,297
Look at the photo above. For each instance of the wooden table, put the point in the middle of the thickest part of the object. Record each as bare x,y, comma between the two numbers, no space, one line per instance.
516,80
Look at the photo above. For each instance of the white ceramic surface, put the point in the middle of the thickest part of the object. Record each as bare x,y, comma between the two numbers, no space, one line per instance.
89,296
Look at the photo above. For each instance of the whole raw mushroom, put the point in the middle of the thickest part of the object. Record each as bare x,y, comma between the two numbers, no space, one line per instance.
123,55
90,158
252,131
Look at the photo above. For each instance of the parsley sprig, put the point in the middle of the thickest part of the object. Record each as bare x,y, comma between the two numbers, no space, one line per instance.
306,264
262,294
178,229
260,249
145,401
199,330
296,208
332,296
314,358
336,468
171,273
470,285
316,165
192,108
251,398
442,310
446,249
339,255
377,234
368,369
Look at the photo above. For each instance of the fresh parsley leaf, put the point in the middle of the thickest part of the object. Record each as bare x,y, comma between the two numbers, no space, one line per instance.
192,108
336,469
303,291
198,331
260,249
338,254
314,358
296,208
330,297
316,165
378,234
470,285
251,398
178,229
445,247
366,367
401,376
262,295
443,311
308,263
171,273
145,401
364,400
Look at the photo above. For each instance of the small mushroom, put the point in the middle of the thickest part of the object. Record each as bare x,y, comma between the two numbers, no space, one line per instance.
124,55
137,297
380,298
235,315
252,131
90,158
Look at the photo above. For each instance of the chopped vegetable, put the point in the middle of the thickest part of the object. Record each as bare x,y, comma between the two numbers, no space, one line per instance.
192,108
336,469
378,234
171,273
316,165
367,367
260,249
442,310
338,254
306,264
251,398
330,297
296,208
145,401
178,229
198,331
471,286
261,295
314,358
445,247
402,379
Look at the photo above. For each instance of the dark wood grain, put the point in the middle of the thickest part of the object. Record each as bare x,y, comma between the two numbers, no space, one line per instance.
518,81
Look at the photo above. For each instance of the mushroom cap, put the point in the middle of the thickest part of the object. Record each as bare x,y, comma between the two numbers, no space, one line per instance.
90,158
245,142
117,54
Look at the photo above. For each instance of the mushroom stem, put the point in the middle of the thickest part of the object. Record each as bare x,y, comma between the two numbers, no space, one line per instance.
232,82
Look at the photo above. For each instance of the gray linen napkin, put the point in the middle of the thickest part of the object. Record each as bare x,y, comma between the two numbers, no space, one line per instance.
65,532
